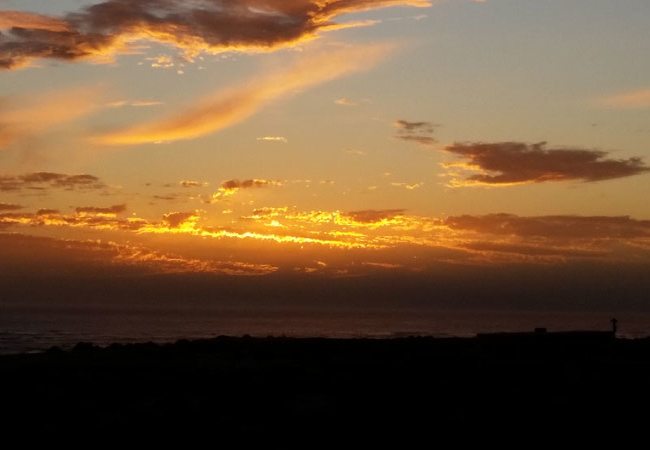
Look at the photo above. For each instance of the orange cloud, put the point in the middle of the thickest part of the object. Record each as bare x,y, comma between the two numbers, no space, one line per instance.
141,103
29,115
237,104
105,29
136,104
392,236
19,19
633,99
357,225
509,163
407,186
163,62
273,139
93,252
87,217
111,211
383,265
535,253
345,102
176,223
191,184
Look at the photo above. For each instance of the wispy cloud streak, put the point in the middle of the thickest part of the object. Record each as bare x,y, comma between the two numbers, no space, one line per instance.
27,116
237,104
633,99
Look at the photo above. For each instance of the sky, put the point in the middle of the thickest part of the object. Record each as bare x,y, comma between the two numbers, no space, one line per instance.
410,153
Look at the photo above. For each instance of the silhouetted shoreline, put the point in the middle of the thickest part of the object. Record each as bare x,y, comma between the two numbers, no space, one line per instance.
303,386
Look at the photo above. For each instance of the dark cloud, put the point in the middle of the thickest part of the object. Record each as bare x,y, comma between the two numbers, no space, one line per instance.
85,181
230,187
422,140
43,180
418,132
415,127
561,227
506,163
169,197
372,215
246,184
47,212
101,30
9,207
176,219
42,177
115,209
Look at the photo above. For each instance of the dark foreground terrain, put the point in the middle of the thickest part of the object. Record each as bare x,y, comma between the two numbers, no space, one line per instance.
318,388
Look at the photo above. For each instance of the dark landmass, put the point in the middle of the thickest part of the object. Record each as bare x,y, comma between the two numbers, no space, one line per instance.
319,388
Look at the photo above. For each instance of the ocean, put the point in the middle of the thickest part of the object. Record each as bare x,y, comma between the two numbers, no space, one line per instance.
34,329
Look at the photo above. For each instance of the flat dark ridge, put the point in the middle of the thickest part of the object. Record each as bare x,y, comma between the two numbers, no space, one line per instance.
238,386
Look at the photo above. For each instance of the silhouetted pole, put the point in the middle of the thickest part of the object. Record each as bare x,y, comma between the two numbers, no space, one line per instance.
614,325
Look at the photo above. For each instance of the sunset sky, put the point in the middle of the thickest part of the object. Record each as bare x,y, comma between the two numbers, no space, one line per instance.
455,151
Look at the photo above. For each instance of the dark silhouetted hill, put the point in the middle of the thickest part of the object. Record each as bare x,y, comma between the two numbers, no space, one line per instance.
240,387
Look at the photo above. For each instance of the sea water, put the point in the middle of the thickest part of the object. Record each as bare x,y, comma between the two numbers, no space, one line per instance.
33,329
